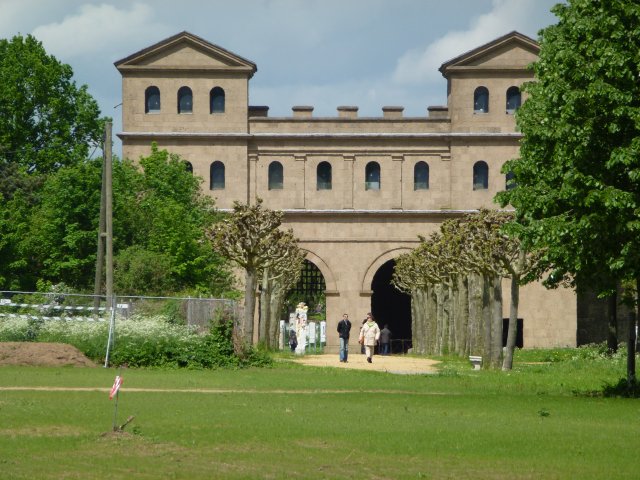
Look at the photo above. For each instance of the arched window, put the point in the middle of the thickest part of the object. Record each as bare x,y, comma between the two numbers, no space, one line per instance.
188,167
323,176
480,176
185,100
421,176
510,182
152,100
216,176
481,100
372,176
513,99
216,100
276,176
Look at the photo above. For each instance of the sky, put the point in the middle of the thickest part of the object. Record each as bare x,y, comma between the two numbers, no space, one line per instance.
324,53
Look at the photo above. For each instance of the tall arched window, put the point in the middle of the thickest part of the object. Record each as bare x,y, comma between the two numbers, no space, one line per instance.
216,176
188,166
480,175
481,100
513,99
421,176
323,176
372,176
276,176
216,100
152,100
510,182
185,100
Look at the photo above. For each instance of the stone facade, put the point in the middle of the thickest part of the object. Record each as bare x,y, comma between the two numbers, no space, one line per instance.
355,225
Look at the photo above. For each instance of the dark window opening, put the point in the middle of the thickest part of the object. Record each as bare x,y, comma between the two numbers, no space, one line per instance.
480,176
152,100
323,176
185,100
216,173
276,176
216,100
421,176
481,100
372,176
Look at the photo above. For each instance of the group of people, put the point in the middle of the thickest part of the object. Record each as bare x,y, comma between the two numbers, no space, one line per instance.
370,335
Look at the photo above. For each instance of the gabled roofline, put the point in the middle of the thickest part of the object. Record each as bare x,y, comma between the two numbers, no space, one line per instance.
248,64
478,51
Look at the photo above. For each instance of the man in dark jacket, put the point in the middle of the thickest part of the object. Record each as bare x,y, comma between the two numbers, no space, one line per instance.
344,327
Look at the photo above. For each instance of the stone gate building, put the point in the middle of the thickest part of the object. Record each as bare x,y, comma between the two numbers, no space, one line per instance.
357,191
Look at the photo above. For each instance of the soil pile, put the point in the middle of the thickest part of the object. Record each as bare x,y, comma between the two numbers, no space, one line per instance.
42,354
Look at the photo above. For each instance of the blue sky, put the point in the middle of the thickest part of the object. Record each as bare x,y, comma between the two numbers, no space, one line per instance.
325,53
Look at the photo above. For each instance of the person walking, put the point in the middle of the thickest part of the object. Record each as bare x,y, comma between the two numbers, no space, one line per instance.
360,340
293,340
344,327
385,340
369,335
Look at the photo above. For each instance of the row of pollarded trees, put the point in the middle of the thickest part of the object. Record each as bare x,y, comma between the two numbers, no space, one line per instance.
455,277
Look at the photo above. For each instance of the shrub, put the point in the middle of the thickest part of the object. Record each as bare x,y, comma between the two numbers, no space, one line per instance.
140,341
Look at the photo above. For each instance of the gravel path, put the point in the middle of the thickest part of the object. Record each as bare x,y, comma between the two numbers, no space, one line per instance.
400,364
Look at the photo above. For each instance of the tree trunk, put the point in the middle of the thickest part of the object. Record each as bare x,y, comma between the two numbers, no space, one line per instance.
612,315
249,305
432,320
631,351
512,335
486,320
462,317
440,321
265,311
475,335
496,322
277,301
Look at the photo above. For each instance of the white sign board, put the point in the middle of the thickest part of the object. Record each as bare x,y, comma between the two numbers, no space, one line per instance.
323,332
311,332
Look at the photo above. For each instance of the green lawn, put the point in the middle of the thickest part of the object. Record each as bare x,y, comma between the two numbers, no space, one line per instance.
540,421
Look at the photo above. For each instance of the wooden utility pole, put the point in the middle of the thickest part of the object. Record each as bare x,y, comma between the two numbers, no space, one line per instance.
105,230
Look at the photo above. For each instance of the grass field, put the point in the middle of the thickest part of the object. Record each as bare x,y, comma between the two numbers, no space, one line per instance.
541,421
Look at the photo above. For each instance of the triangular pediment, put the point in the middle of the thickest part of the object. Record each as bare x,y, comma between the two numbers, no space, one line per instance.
185,51
511,51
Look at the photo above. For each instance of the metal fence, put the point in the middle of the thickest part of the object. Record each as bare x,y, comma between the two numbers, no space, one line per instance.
195,312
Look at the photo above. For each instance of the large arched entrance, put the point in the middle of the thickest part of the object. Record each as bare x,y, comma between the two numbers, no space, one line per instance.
391,307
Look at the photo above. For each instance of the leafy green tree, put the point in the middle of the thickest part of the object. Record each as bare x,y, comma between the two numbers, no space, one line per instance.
160,218
578,175
46,121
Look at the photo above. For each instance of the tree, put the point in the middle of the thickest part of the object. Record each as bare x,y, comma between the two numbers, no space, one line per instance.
160,219
277,280
46,121
251,238
578,174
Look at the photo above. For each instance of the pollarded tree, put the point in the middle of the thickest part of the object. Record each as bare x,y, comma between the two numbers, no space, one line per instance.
251,237
277,280
578,175
46,121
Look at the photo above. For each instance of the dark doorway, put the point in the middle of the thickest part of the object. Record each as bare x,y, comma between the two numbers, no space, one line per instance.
391,307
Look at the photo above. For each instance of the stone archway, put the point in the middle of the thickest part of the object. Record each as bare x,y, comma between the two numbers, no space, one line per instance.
391,307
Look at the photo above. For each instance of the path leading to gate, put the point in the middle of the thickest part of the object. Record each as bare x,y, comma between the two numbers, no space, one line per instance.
399,364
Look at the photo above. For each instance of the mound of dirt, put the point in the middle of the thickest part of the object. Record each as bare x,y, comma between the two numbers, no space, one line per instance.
42,354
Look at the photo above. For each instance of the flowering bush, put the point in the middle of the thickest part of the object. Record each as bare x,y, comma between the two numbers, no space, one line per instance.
138,341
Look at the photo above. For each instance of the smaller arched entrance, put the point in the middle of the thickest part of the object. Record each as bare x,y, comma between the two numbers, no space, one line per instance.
391,307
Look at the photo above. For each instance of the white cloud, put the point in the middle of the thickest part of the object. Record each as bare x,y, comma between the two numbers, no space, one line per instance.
420,65
98,28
